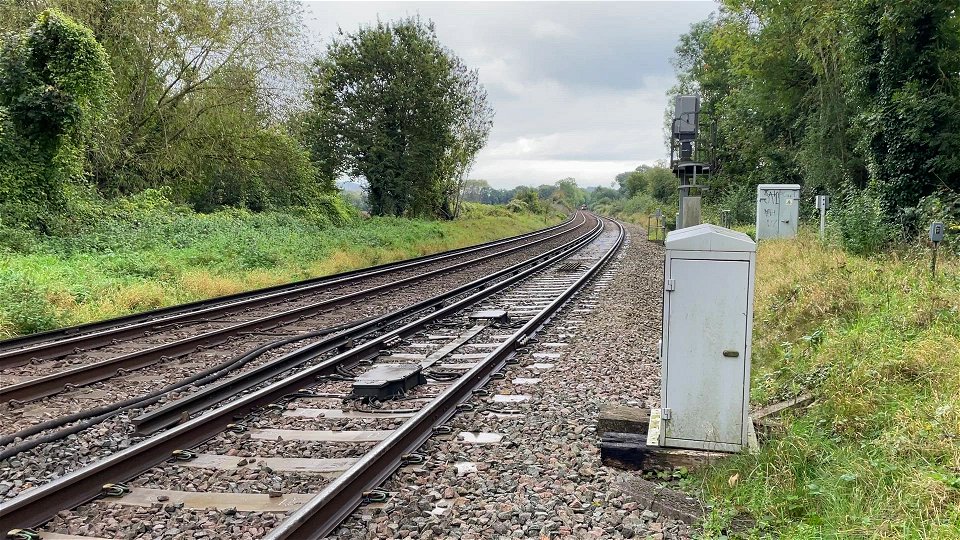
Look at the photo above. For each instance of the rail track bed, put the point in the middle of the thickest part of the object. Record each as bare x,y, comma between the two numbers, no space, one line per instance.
42,369
293,453
126,394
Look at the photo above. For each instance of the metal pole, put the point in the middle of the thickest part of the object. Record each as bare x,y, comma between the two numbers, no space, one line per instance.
933,263
680,203
823,219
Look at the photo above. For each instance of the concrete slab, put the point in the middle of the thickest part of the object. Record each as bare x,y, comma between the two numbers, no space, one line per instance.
325,467
320,435
242,502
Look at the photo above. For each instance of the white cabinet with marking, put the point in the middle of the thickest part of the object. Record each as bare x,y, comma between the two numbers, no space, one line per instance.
707,327
778,210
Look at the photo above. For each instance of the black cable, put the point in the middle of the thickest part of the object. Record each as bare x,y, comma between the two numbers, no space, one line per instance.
442,375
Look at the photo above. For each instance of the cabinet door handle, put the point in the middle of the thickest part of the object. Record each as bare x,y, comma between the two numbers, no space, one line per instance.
731,353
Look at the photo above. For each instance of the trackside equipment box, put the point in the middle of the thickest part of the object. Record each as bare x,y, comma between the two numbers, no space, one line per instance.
705,350
778,210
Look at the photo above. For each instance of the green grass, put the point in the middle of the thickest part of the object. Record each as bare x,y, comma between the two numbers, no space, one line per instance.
877,455
141,254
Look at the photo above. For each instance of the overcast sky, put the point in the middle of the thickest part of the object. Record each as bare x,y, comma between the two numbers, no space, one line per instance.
579,89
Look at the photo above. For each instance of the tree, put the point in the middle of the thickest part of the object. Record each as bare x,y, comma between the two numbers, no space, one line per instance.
55,82
391,105
194,79
906,60
843,97
568,194
200,101
661,184
527,199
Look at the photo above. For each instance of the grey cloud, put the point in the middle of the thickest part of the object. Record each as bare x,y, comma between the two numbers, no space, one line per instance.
576,85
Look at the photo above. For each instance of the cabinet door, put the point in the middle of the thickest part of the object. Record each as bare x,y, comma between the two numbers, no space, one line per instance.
704,363
788,214
768,213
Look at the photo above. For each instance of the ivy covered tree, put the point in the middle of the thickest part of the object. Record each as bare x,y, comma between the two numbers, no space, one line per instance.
906,75
55,84
393,106
200,102
853,98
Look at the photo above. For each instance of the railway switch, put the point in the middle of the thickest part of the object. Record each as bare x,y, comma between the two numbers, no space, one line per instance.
705,347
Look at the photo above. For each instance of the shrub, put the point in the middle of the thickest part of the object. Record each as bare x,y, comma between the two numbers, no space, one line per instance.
24,306
861,223
945,207
17,240
740,200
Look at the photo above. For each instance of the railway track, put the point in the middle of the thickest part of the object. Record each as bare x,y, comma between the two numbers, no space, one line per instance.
214,351
23,349
260,460
97,355
99,417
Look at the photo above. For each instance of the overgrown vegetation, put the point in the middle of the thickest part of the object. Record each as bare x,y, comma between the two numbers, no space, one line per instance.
55,81
143,252
189,96
202,99
640,193
392,106
877,342
857,99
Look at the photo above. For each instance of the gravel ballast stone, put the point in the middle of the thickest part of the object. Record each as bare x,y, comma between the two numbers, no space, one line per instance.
545,479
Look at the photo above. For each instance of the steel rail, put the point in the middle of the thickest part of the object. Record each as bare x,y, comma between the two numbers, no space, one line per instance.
97,371
323,513
56,343
41,504
174,411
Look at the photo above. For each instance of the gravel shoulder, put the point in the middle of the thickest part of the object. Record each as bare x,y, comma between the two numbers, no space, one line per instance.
544,478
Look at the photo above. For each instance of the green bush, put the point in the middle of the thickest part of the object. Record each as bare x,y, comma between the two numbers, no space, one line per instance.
740,200
945,207
861,223
17,240
23,305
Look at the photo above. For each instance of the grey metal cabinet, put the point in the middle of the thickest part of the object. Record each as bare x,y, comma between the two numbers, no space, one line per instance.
707,328
778,210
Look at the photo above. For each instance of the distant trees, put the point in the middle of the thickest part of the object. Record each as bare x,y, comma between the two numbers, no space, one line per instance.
568,194
656,182
393,106
480,191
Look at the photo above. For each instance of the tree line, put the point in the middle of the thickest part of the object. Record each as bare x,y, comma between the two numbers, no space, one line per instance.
226,104
856,99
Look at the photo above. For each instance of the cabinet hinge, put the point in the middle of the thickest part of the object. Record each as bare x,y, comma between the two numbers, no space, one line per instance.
666,413
670,285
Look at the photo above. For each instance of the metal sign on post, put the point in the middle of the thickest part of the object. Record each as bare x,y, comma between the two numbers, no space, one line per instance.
937,230
822,202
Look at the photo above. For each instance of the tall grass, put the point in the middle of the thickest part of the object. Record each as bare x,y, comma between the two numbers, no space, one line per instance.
877,342
139,256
